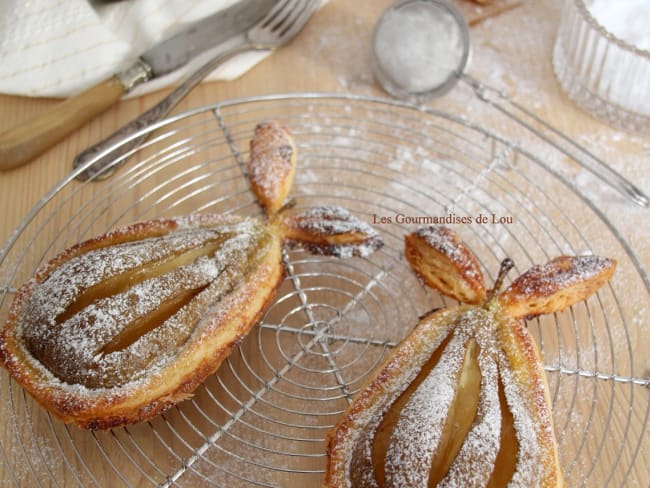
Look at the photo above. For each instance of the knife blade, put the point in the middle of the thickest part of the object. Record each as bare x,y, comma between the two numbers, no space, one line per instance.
178,50
34,136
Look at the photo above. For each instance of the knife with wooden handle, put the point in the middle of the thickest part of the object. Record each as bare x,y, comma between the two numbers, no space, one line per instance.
28,140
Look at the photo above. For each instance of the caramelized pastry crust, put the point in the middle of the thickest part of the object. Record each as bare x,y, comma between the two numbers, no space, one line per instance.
463,400
272,164
556,285
444,263
120,327
451,408
330,230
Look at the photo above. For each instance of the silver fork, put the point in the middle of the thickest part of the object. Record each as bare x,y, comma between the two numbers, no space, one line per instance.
277,28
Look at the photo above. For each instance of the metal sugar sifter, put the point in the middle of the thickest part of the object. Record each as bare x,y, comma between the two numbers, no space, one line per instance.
421,49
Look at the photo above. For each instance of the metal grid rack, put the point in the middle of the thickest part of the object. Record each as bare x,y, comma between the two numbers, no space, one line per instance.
262,419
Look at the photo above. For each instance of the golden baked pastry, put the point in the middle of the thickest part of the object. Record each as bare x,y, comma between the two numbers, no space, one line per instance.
272,165
120,327
463,400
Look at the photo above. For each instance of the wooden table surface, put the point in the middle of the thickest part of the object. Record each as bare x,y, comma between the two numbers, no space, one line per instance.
512,51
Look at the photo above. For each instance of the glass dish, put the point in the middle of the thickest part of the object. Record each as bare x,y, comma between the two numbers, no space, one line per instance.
605,75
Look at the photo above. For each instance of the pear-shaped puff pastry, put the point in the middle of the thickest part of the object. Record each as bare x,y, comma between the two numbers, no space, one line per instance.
120,327
463,400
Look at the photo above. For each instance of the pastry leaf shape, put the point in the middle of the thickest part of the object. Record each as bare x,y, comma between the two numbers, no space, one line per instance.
330,230
556,285
441,259
272,165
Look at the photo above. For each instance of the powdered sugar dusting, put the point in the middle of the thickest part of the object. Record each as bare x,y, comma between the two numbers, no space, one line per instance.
333,220
558,274
71,350
528,468
474,463
359,471
417,433
57,292
410,440
270,165
446,241
334,230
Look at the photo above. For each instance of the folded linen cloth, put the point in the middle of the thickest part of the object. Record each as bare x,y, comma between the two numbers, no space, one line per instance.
57,48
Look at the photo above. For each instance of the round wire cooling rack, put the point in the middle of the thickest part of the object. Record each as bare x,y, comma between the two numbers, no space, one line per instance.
263,418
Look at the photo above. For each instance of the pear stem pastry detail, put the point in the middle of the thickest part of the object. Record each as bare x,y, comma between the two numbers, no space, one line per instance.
463,400
120,327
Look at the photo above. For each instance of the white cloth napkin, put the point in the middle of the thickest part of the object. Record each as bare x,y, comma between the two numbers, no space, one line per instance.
56,48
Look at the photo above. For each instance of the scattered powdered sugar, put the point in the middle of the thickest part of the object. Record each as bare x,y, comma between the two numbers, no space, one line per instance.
442,240
446,241
331,221
71,350
559,274
626,19
528,467
270,158
194,221
58,291
417,432
80,338
404,370
419,427
474,463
